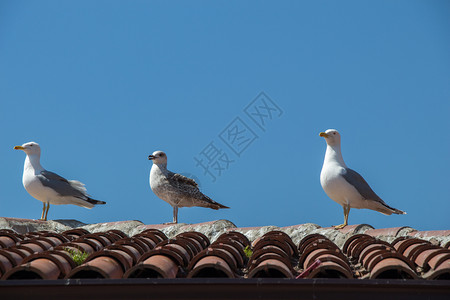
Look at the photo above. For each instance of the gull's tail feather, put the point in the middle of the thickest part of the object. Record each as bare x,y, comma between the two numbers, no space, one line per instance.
219,206
210,203
78,186
81,187
95,202
385,209
399,212
395,211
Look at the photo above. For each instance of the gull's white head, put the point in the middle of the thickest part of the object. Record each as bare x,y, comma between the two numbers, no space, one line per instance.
332,137
158,158
30,148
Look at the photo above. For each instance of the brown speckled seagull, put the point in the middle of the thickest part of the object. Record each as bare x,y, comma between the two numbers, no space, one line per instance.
176,189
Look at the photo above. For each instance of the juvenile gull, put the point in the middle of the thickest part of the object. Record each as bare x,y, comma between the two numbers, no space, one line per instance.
345,186
48,187
176,189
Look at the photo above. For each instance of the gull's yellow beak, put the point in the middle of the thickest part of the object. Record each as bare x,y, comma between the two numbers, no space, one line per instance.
19,148
323,134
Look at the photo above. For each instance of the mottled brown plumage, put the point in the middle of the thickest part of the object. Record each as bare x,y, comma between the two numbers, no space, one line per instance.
176,189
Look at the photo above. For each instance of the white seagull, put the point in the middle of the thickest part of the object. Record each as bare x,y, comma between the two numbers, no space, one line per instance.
176,189
48,187
345,186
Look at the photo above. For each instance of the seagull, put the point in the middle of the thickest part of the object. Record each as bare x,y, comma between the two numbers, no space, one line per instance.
345,186
48,187
176,189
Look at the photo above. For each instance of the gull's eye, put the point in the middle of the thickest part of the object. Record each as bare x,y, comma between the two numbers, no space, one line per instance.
31,145
334,133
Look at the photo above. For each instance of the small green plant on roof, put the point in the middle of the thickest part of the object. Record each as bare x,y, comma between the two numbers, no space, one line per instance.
248,251
77,256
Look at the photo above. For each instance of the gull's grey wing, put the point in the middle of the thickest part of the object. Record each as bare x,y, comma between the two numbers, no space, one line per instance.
59,184
361,185
53,176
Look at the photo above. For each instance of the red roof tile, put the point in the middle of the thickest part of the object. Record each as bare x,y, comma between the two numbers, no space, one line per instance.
189,253
395,231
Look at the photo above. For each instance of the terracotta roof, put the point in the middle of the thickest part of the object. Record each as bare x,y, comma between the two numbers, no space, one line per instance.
220,250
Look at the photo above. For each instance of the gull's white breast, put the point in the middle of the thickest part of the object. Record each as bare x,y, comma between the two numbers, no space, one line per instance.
159,185
35,188
337,188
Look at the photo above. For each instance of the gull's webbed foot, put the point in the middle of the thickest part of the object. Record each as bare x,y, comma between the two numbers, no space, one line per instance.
340,226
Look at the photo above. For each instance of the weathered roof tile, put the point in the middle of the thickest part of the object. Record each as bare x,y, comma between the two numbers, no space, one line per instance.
131,249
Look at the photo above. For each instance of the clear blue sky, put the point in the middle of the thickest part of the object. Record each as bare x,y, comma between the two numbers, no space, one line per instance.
102,84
